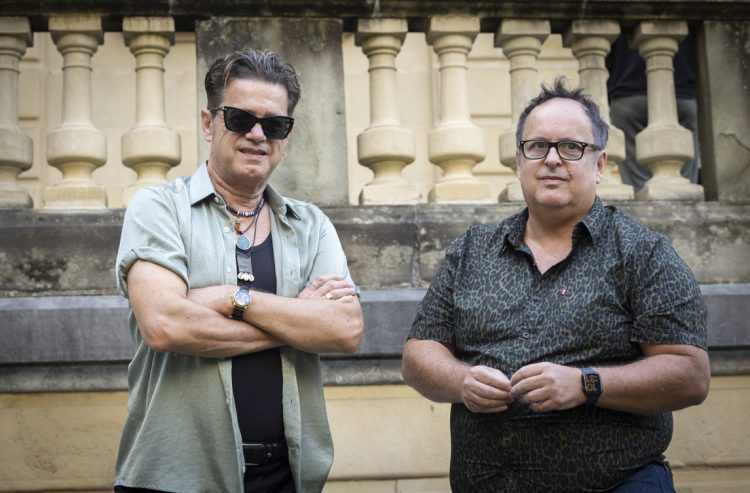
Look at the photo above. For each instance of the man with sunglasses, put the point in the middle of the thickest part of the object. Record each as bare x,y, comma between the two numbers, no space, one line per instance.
565,335
235,291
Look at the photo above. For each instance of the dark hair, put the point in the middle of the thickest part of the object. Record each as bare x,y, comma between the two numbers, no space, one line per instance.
251,64
599,127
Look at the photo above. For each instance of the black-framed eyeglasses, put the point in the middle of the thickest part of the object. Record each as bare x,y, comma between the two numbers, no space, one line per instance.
241,121
570,150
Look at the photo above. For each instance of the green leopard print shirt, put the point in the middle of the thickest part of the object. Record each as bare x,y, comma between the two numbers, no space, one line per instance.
621,285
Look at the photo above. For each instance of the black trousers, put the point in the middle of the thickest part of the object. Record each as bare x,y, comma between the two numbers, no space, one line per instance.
275,477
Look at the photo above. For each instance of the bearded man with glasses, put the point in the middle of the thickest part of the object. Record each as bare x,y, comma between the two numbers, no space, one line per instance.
564,336
234,291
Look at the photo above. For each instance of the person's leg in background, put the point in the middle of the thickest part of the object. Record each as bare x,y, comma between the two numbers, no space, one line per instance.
630,114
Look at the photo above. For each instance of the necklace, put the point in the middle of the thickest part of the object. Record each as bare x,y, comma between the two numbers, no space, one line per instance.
242,242
247,274
250,213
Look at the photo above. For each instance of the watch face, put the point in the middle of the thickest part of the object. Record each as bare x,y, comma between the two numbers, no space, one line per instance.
242,297
592,384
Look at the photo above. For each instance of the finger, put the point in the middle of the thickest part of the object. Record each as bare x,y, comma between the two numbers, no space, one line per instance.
533,396
526,386
480,404
340,293
323,279
476,390
525,372
491,376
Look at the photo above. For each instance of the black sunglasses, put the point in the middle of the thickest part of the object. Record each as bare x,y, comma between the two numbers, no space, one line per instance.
241,121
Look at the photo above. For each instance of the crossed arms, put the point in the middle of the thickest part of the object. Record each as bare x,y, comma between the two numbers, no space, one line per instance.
196,322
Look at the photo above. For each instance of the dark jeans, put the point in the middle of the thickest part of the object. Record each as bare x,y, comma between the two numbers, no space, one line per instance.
652,478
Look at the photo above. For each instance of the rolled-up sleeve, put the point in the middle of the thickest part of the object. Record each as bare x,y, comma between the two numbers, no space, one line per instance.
151,232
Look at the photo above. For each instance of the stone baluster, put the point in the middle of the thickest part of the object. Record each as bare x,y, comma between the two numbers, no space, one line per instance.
385,146
17,147
663,146
521,42
76,147
455,145
150,148
590,41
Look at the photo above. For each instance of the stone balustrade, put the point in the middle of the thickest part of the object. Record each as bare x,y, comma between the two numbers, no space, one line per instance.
454,144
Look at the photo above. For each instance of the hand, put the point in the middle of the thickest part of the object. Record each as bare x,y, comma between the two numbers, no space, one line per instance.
330,286
485,390
547,387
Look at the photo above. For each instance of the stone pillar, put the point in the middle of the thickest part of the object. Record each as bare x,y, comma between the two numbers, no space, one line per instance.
663,146
521,42
456,144
724,99
76,148
17,147
150,148
590,42
315,169
385,146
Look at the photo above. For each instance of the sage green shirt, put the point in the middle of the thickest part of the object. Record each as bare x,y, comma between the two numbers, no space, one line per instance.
181,433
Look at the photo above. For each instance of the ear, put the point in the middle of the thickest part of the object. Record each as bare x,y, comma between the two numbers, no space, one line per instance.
207,126
601,162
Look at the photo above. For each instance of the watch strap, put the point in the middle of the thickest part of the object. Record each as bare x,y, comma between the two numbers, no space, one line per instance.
238,312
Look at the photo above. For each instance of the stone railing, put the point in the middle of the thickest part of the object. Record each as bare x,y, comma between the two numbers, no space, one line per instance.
454,144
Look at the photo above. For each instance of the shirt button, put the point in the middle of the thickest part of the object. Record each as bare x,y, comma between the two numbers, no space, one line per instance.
228,402
216,200
226,229
243,469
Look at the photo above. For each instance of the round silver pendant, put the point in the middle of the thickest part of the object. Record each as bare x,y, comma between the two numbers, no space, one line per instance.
242,242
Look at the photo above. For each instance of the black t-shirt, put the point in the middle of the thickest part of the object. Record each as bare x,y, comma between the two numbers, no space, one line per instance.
256,377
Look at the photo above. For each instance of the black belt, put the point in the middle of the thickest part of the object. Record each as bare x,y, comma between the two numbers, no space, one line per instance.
260,453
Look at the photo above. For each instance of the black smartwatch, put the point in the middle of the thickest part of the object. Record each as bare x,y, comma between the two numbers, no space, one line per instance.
240,300
592,385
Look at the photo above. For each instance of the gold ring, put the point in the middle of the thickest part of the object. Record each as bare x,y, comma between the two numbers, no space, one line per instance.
329,297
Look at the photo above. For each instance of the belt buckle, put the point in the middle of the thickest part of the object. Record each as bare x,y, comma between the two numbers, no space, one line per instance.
255,447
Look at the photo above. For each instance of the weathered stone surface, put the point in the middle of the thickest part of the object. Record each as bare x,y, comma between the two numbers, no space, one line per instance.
67,343
54,253
380,243
386,246
724,77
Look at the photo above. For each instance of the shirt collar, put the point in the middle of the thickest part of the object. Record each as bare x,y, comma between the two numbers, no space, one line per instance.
511,231
595,220
201,187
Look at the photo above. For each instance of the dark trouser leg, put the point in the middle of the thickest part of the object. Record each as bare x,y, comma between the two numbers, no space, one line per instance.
652,478
630,114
